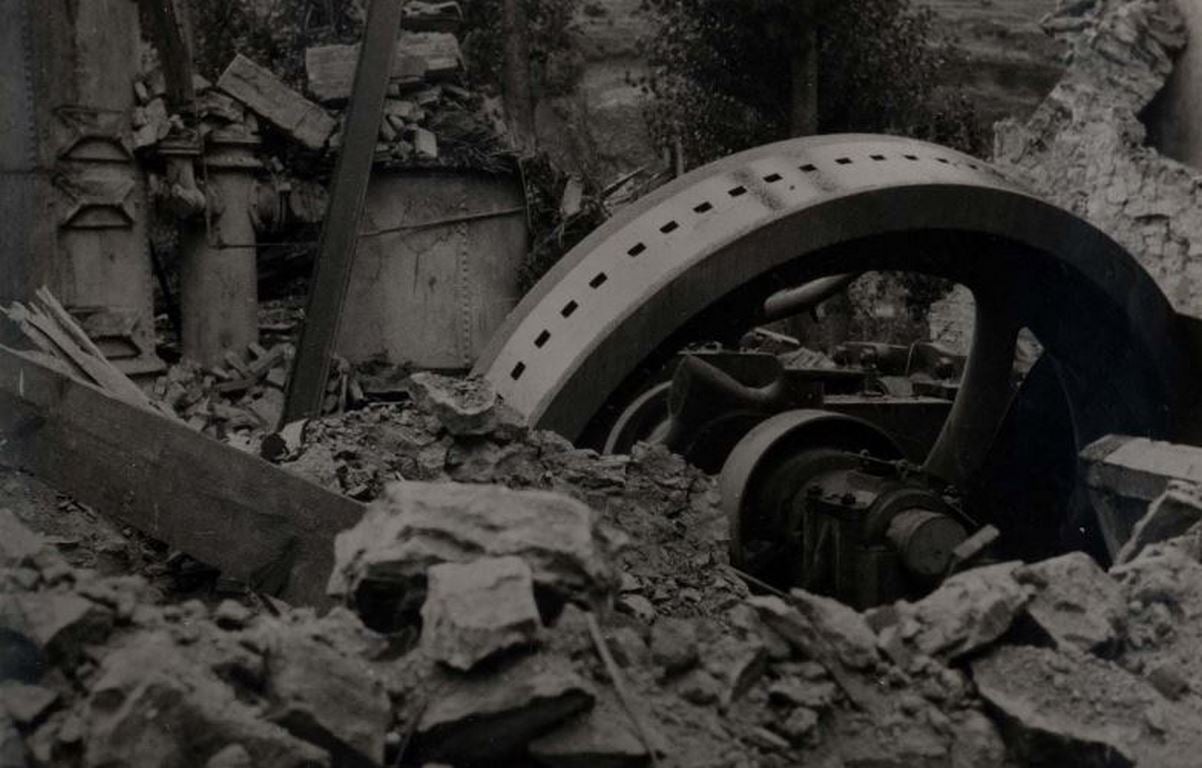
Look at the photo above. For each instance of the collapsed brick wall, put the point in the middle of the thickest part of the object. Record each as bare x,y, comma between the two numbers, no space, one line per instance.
1084,148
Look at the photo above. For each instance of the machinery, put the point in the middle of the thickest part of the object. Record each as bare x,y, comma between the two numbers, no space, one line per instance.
873,481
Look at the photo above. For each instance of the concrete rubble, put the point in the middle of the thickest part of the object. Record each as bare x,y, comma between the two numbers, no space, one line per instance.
508,599
385,559
478,610
464,635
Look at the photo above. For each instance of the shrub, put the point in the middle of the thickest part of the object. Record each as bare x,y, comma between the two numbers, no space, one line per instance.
721,74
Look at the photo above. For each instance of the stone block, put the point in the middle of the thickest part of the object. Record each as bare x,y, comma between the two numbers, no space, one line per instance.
488,719
475,611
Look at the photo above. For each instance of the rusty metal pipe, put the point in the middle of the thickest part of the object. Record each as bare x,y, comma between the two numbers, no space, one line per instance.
794,301
984,395
219,299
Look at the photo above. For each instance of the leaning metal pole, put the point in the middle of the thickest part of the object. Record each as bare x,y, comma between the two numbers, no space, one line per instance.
340,232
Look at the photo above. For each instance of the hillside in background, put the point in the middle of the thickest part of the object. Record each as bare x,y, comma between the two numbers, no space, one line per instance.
1011,63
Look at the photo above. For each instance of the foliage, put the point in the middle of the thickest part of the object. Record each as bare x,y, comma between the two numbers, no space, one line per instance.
721,73
553,234
273,33
554,63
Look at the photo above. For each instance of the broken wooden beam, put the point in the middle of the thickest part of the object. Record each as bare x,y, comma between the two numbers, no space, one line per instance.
48,326
270,98
254,521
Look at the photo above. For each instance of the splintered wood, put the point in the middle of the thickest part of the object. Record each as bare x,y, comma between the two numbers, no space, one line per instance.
64,345
70,418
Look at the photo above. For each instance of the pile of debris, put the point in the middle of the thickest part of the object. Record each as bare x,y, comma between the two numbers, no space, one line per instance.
430,118
449,430
243,402
96,671
488,625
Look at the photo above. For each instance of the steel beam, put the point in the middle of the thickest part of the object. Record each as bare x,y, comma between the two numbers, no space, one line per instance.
340,232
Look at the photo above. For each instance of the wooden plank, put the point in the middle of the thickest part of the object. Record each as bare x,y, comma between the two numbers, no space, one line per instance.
419,55
267,96
253,520
55,332
340,232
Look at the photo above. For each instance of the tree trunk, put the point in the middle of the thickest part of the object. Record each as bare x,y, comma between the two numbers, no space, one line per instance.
171,32
518,92
803,72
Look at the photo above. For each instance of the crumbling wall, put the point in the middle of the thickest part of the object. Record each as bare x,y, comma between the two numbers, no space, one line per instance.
1084,148
1174,119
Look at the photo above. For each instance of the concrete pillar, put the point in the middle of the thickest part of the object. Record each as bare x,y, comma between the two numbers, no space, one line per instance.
1174,119
219,299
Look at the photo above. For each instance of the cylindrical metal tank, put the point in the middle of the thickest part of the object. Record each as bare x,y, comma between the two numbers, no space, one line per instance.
436,269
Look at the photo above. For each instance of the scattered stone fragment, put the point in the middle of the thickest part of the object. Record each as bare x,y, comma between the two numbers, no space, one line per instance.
463,406
1168,680
627,646
1076,603
801,726
417,525
425,144
699,687
1177,510
603,737
674,645
233,756
766,739
12,750
799,693
898,744
809,641
968,611
1077,709
976,742
26,704
230,614
736,664
326,697
153,705
477,610
59,624
492,718
18,544
845,628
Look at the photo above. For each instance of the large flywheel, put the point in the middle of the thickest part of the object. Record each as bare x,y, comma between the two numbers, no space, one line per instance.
707,256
